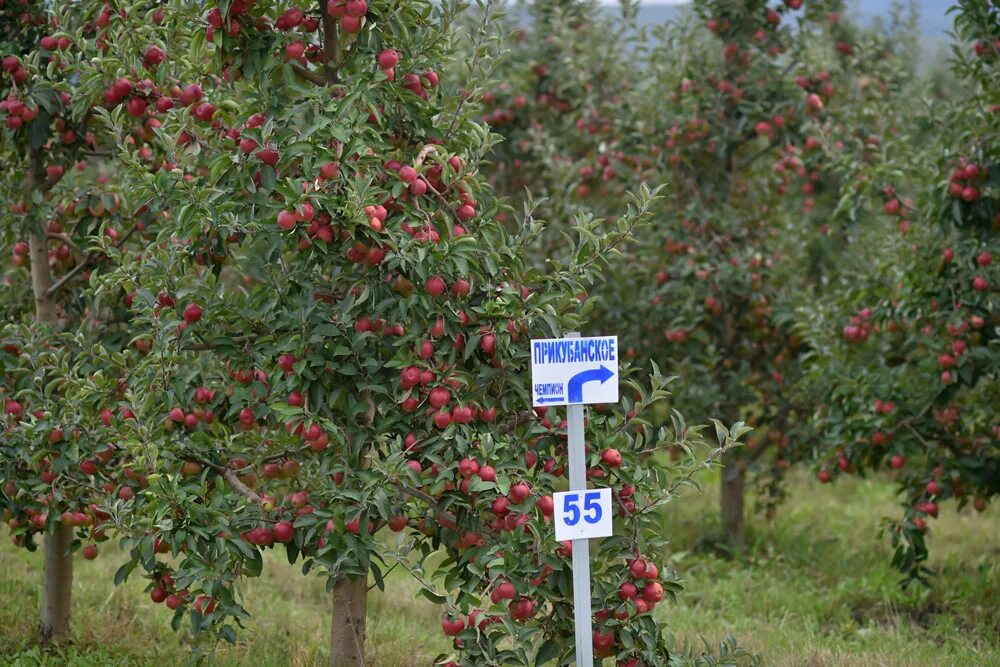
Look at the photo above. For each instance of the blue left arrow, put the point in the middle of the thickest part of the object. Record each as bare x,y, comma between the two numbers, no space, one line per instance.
554,399
575,384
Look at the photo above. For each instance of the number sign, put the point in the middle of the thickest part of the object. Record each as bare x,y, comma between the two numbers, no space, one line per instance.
582,515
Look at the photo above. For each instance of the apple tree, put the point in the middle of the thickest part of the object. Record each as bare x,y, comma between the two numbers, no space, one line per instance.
64,210
906,368
742,107
336,328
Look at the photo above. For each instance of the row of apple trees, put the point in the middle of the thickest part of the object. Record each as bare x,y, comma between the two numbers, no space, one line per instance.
263,297
807,271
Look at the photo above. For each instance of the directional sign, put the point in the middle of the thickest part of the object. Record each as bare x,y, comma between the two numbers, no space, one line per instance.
574,371
582,515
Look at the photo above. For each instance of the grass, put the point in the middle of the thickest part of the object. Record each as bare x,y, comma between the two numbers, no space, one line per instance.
815,590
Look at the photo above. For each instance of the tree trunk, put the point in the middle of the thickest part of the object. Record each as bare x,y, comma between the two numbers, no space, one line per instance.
347,631
56,586
731,497
41,279
57,577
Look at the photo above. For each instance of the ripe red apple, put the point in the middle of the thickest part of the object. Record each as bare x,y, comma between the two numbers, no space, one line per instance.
504,591
284,532
268,156
89,552
468,467
637,568
488,344
487,473
611,457
522,609
519,492
603,641
439,397
190,94
546,505
387,59
295,50
897,461
153,56
628,591
356,8
452,627
814,104
500,506
653,592
287,220
461,288
329,171
410,377
435,286
192,313
442,419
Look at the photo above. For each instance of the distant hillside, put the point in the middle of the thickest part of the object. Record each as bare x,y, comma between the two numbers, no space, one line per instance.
933,20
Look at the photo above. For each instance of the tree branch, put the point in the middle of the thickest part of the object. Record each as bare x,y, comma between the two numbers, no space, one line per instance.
89,260
331,44
308,75
422,155
230,476
519,419
430,502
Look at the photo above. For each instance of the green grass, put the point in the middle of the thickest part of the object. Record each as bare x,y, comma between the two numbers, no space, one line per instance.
815,590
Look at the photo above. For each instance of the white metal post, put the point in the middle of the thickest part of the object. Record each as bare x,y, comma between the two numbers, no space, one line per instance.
581,548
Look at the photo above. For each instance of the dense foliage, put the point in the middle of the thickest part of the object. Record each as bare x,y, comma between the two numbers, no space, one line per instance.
905,359
274,266
742,108
323,335
798,155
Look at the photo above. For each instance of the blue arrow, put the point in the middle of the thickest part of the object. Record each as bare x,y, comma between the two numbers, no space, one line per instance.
554,399
577,381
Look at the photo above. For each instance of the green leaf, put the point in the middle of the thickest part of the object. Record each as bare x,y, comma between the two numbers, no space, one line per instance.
432,596
38,130
123,572
268,177
228,633
377,575
547,652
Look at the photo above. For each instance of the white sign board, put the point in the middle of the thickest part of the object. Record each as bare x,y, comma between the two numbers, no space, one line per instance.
581,515
574,371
